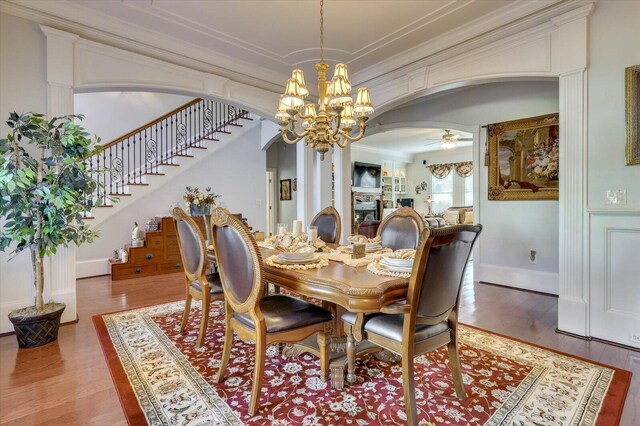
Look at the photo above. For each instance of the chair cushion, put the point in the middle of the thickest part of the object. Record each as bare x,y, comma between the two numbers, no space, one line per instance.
390,327
350,317
283,313
215,286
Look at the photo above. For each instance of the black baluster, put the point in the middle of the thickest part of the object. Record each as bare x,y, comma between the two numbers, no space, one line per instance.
128,161
111,165
104,180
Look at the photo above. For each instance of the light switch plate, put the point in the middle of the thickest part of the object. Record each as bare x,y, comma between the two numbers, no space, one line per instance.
616,196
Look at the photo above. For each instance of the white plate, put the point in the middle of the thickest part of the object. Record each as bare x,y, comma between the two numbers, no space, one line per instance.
402,263
313,259
395,268
296,256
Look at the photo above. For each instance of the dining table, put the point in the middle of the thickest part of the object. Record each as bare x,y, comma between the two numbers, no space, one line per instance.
339,287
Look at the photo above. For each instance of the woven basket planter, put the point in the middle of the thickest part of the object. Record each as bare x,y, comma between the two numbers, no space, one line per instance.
36,329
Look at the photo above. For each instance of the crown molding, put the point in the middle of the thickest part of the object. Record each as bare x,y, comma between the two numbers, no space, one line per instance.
512,20
64,16
579,13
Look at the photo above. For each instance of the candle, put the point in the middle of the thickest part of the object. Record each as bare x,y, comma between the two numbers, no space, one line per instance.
312,233
297,228
282,228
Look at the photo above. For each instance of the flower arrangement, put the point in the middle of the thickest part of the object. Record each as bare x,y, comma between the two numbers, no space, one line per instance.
193,196
543,161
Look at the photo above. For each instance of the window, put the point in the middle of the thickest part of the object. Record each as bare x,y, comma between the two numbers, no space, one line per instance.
442,193
468,191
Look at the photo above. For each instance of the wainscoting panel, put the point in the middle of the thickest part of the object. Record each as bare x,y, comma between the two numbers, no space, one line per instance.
615,277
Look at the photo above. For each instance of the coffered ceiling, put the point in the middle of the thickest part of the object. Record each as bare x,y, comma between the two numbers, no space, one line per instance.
263,40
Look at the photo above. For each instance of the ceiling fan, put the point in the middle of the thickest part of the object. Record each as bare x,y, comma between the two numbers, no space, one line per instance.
449,139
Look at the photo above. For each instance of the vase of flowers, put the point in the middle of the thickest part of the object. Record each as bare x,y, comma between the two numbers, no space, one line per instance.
543,162
199,203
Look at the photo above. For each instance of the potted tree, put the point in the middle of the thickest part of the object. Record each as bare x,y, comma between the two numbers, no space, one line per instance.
45,188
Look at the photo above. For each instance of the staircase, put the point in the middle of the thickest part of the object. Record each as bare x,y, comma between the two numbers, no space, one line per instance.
131,162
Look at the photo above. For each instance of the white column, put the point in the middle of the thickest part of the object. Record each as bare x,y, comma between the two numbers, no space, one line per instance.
60,275
573,303
342,181
570,59
304,174
321,181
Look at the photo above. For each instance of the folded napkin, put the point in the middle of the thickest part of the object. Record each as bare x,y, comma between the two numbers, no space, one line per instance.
362,239
289,243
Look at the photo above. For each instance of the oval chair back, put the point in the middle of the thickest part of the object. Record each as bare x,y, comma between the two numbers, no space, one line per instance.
191,245
328,223
239,261
401,229
434,288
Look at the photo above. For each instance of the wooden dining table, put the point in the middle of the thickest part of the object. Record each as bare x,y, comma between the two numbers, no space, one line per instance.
341,288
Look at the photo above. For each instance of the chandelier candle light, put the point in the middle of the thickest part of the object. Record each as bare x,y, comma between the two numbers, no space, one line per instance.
333,121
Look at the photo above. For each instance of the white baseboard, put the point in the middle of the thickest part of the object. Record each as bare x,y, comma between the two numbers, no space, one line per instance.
92,268
527,279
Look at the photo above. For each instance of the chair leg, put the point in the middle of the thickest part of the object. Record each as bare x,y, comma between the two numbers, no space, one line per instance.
351,357
258,372
456,372
187,309
324,347
204,321
226,349
409,386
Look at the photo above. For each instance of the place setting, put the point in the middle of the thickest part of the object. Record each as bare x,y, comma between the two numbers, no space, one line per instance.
297,249
396,264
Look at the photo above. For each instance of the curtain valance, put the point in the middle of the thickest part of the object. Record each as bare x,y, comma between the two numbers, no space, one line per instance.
441,171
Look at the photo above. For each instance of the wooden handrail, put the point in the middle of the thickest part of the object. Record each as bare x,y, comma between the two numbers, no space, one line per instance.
151,123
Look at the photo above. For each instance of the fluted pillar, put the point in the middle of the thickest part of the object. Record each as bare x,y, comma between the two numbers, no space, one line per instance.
60,275
342,187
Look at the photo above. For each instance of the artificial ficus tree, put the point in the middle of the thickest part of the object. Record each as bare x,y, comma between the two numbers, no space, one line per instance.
43,197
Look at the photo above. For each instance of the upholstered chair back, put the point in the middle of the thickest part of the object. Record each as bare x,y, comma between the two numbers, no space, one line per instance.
239,260
328,223
190,243
401,229
442,261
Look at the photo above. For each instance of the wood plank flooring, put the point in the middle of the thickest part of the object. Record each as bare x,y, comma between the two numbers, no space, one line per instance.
68,382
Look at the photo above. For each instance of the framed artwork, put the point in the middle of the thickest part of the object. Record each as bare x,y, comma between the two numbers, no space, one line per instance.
632,94
285,189
523,159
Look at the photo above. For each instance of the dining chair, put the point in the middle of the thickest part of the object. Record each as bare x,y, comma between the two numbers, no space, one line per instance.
428,319
199,284
252,315
401,229
328,223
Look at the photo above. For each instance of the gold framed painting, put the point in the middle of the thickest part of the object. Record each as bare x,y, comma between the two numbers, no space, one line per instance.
632,85
523,158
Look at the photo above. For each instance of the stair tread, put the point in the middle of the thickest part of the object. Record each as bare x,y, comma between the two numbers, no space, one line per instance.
111,194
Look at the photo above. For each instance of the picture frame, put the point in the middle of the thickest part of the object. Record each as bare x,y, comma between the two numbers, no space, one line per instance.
524,159
285,189
632,103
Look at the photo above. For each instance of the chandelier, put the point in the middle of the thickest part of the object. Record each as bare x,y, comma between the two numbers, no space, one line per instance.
333,120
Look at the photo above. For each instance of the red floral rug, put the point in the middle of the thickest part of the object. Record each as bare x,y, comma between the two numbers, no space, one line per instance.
163,378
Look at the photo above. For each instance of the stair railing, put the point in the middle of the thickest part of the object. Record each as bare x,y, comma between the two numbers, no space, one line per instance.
126,160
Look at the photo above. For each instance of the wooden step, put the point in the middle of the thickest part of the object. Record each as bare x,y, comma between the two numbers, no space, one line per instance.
169,164
153,174
119,195
137,184
198,147
211,139
184,155
104,205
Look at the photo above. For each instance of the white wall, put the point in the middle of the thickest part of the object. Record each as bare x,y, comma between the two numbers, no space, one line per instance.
236,171
511,228
614,230
417,172
113,114
22,89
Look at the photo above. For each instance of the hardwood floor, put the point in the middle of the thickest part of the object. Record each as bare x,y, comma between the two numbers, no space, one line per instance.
68,382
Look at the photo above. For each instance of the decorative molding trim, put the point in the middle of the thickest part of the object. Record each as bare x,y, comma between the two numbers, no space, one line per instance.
578,13
389,154
526,279
71,18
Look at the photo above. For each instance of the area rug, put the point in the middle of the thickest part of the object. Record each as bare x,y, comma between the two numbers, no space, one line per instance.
162,378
